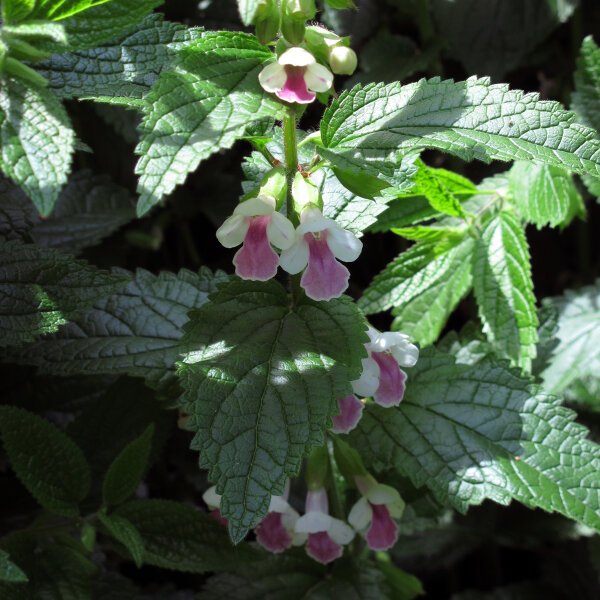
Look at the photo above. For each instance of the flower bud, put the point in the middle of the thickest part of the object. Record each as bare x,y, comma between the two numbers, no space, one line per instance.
342,60
305,194
266,21
300,10
292,30
274,184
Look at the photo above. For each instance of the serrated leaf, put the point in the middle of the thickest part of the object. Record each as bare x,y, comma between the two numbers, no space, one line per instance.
433,188
176,536
125,472
269,377
8,570
437,294
578,352
136,331
544,195
472,119
123,531
474,432
36,142
199,107
125,67
411,273
15,10
41,289
55,10
586,97
504,289
46,460
104,22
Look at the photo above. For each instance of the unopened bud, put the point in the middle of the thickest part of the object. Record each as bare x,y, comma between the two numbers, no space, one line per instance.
274,184
305,194
342,60
266,21
292,30
300,10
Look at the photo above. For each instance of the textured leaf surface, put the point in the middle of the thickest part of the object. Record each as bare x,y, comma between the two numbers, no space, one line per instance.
176,536
123,531
41,289
8,570
36,142
472,119
200,106
412,273
545,195
475,432
126,66
124,474
437,293
46,460
261,387
586,98
578,351
136,331
102,23
504,289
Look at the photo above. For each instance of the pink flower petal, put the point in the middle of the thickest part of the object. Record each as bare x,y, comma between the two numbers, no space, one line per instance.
295,89
322,548
391,380
325,278
216,515
256,259
351,409
271,533
383,532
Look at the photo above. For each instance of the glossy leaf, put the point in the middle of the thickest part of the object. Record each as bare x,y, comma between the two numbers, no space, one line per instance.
586,98
262,386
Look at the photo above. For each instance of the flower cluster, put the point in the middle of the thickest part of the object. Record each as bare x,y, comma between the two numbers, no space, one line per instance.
382,378
322,535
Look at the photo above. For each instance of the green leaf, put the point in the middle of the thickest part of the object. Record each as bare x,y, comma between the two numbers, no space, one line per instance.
262,386
125,67
127,469
56,10
46,460
474,432
341,4
404,585
104,22
176,536
15,10
425,314
544,195
504,289
8,570
123,531
472,119
199,107
42,289
433,233
38,33
439,196
519,27
413,272
37,142
578,352
136,331
586,97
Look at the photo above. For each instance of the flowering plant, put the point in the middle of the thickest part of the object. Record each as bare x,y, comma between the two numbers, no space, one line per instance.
347,339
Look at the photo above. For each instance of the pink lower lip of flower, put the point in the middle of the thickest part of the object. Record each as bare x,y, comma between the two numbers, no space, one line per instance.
383,532
351,409
324,277
271,533
216,515
391,380
294,89
256,259
322,548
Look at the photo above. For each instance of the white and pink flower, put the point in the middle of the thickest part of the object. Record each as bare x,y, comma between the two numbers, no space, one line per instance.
351,409
256,224
382,378
326,535
373,515
213,501
295,77
276,532
318,243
